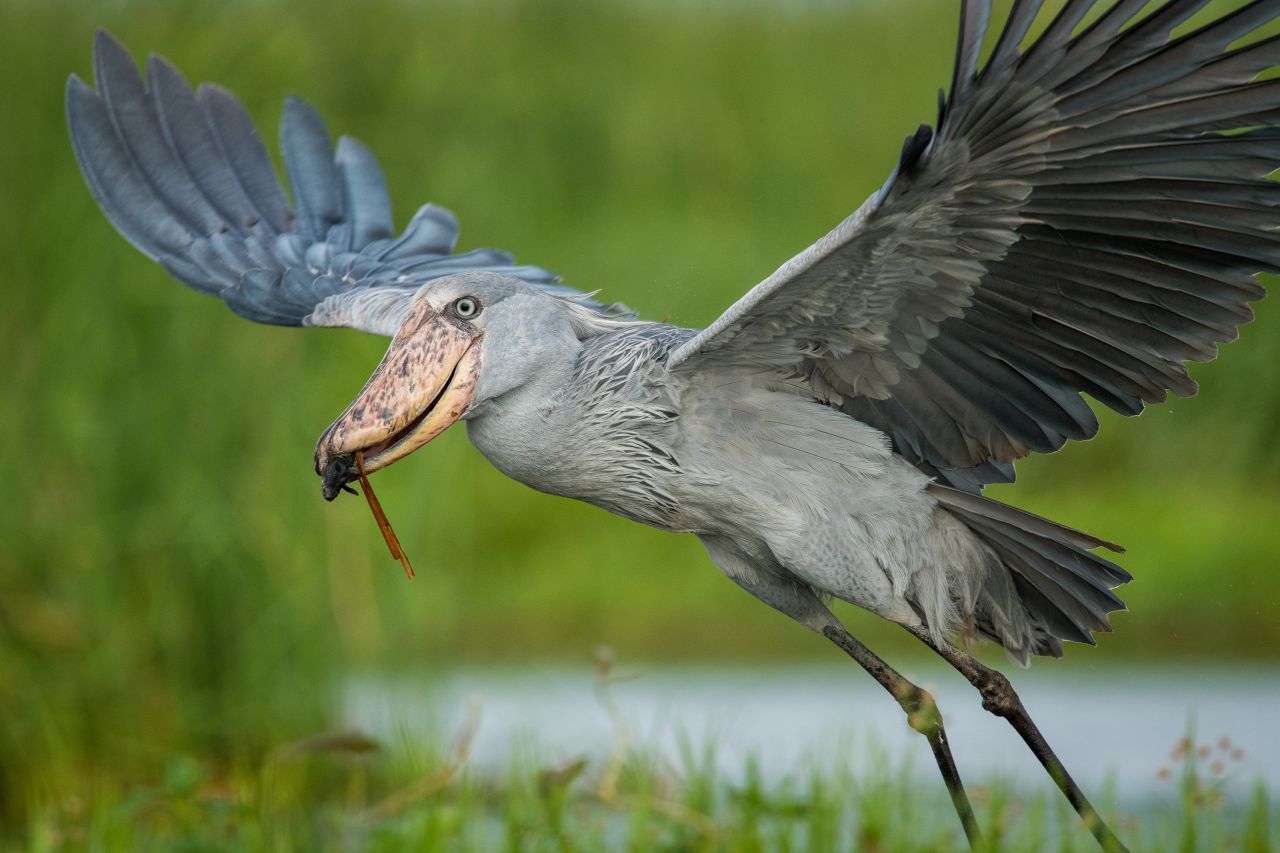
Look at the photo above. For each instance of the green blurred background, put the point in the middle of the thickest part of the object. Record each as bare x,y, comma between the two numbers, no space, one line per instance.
170,578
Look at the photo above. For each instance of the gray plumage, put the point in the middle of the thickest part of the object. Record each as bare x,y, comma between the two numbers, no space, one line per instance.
184,177
1088,215
1078,223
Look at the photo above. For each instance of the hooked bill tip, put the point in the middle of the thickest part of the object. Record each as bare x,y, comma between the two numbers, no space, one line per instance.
335,475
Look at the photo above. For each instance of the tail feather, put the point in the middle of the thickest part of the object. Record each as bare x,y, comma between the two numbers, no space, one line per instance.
1047,566
1063,588
1041,609
957,500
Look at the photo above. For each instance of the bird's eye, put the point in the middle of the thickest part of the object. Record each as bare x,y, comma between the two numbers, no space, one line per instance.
466,307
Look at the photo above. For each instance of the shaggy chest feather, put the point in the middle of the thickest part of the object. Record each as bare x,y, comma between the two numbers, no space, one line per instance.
606,436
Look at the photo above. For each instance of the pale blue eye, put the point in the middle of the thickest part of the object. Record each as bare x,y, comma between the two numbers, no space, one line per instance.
466,307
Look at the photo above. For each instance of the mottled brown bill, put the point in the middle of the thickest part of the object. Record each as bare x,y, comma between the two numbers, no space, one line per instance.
424,383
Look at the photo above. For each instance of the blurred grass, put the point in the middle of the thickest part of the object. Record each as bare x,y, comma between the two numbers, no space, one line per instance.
170,578
344,791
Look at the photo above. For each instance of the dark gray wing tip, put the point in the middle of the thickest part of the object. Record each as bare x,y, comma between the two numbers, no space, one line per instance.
297,108
103,40
914,148
76,86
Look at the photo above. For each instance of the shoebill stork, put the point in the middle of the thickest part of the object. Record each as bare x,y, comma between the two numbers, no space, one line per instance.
1087,215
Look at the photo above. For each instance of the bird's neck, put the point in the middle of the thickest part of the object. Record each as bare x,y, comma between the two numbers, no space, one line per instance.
517,431
594,428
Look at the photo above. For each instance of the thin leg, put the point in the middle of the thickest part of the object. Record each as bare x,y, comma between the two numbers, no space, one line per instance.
999,698
781,590
922,715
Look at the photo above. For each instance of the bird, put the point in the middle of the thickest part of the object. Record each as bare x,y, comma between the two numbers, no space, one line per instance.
1089,212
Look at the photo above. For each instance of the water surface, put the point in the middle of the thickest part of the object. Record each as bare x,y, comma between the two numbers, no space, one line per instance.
1111,724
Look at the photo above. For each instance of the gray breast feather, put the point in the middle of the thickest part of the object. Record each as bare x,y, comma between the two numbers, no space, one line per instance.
623,422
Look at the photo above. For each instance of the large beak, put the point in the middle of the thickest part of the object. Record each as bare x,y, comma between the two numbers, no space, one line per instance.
424,383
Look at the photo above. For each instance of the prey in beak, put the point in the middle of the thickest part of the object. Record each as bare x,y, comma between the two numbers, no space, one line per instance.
424,383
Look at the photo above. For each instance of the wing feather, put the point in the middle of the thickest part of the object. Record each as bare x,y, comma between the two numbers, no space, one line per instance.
185,177
1090,215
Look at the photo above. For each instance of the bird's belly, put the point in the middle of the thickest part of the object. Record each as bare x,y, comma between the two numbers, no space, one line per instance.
865,561
862,540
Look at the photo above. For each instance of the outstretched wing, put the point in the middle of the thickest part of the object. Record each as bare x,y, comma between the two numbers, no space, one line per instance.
184,176
1090,214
